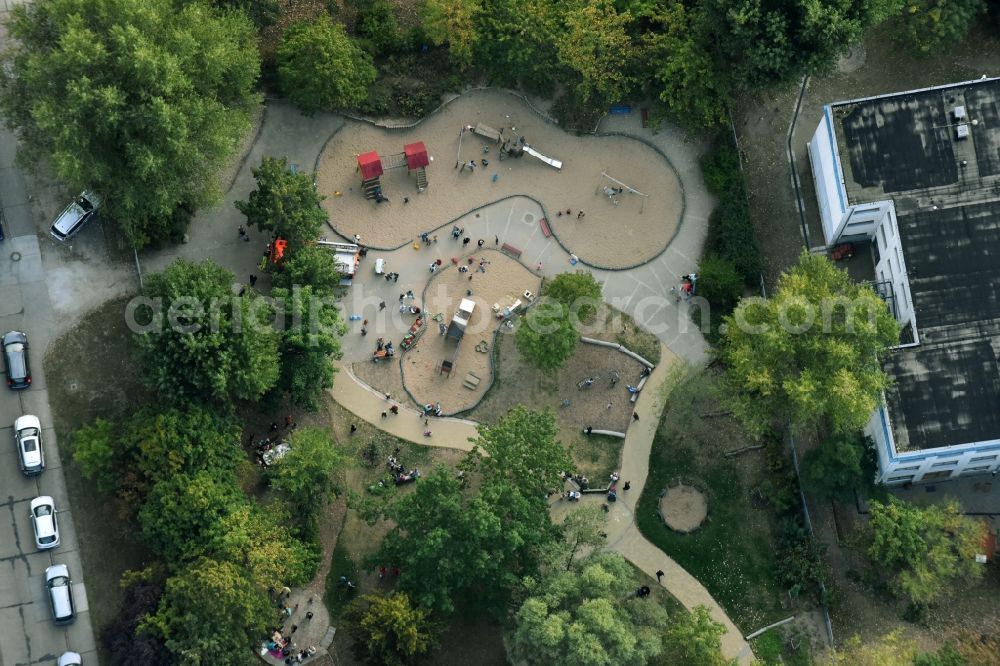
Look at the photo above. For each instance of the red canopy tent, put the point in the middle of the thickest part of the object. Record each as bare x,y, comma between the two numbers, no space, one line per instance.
416,155
370,165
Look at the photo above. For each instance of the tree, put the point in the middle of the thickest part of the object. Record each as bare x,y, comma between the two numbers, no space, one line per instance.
521,449
211,613
261,12
589,615
438,542
319,67
546,336
307,265
311,337
760,44
928,549
578,291
284,204
931,26
183,516
596,45
835,468
695,639
124,644
305,474
516,43
391,630
583,527
453,22
693,88
811,353
140,102
153,444
204,343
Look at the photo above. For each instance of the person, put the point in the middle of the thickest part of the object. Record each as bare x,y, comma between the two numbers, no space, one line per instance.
659,575
357,238
364,331
384,415
631,389
381,305
288,421
406,200
580,214
253,279
497,240
465,241
590,429
354,428
628,485
274,428
480,242
394,409
609,405
635,416
427,433
433,267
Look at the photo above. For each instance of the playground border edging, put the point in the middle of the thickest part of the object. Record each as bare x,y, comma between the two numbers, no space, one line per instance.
546,118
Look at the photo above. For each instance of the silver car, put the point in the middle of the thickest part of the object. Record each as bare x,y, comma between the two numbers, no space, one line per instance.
60,589
28,438
77,214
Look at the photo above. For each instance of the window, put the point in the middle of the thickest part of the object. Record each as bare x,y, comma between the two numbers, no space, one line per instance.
980,458
932,476
947,463
881,232
900,479
981,468
906,469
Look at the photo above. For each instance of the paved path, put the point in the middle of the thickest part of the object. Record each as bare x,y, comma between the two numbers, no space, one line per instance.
623,534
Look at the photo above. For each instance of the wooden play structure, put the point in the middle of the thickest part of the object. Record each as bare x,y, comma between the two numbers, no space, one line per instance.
372,167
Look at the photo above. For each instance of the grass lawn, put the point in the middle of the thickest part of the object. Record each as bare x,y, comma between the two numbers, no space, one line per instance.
92,372
733,553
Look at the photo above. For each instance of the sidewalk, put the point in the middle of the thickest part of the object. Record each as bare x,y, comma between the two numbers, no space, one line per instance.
623,534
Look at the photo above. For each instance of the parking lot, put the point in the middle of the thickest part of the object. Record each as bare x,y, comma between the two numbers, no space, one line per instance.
30,636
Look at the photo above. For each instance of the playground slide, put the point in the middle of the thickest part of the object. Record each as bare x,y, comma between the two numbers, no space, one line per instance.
556,164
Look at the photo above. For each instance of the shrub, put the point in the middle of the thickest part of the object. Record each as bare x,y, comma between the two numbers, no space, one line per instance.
721,285
377,24
731,233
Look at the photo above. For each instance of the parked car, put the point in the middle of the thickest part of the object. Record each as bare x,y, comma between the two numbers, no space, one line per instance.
76,214
28,438
60,589
15,360
43,520
70,659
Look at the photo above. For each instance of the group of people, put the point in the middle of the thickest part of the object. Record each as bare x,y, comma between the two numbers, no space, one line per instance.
399,473
687,288
392,277
281,643
577,478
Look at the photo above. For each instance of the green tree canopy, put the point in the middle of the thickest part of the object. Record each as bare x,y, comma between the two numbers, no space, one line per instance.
308,265
695,639
319,67
517,42
589,615
930,26
140,102
183,516
285,204
811,353
597,46
453,22
928,549
391,630
837,467
211,613
156,443
305,475
578,291
546,335
521,449
309,343
582,528
204,343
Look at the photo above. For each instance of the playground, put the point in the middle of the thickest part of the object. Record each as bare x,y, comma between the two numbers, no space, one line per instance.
390,187
450,363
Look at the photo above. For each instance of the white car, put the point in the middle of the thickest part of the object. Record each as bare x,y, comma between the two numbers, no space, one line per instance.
43,520
70,659
28,438
60,589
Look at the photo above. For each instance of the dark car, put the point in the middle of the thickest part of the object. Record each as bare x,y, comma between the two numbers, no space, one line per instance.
15,360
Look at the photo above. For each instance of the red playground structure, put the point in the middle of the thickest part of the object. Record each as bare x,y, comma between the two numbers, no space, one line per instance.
372,167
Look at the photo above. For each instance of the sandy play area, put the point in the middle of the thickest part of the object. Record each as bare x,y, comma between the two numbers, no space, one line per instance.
684,508
634,230
504,278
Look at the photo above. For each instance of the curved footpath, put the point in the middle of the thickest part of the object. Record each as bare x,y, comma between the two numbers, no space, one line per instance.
623,534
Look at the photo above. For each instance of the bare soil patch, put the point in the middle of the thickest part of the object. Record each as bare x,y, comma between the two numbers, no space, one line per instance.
684,508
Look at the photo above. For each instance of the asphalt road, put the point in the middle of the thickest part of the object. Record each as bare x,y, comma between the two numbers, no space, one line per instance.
26,627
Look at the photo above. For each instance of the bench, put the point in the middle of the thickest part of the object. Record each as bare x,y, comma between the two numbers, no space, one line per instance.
471,381
511,250
545,227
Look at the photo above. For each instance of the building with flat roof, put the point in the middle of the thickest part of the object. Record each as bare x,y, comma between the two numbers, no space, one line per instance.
914,178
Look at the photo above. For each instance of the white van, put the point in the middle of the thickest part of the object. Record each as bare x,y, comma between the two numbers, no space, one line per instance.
60,589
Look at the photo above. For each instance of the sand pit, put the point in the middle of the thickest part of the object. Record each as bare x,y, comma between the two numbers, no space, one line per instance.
504,278
608,235
684,508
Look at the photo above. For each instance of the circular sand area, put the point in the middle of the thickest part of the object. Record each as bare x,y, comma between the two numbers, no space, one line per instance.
504,278
614,236
684,508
